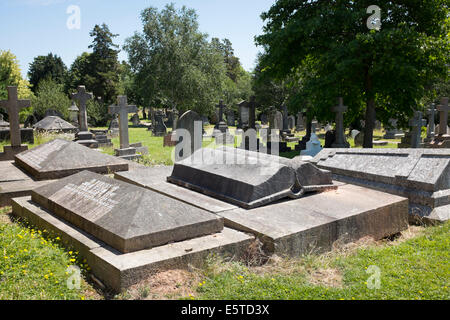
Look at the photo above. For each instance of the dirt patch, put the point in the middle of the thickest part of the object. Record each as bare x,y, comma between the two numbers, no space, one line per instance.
326,277
5,215
165,285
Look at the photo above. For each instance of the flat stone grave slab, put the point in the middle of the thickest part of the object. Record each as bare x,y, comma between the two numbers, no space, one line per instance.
155,179
421,175
124,216
247,179
60,158
315,222
119,271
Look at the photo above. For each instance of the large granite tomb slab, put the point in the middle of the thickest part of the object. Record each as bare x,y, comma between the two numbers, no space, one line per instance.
421,175
60,158
248,179
124,216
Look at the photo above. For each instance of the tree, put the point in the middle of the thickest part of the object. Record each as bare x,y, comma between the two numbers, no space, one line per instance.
10,75
173,62
43,67
50,95
383,72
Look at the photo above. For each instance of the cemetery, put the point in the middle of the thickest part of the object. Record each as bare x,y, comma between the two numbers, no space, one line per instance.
188,176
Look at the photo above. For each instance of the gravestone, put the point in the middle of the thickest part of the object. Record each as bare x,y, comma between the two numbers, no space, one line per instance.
313,146
421,175
73,114
278,121
159,129
135,120
442,138
264,119
61,158
54,124
340,141
291,123
431,128
84,137
125,217
114,125
244,115
221,126
189,135
248,179
392,132
416,124
13,106
285,114
359,139
231,121
123,109
205,121
101,136
300,122
252,113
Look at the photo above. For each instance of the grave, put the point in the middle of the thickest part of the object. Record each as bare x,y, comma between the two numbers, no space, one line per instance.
221,126
294,227
431,127
101,136
231,121
26,135
123,109
114,126
13,105
340,141
159,129
244,115
392,132
126,232
54,124
300,122
421,175
291,123
84,137
313,146
442,138
135,120
285,127
73,113
189,135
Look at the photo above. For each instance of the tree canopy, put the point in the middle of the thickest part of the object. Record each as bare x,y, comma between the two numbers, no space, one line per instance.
328,46
173,62
46,67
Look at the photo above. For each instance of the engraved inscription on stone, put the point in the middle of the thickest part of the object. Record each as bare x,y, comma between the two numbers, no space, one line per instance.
39,155
91,200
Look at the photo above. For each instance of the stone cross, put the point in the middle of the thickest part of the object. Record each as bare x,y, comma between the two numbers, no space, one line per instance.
285,118
339,110
13,105
123,109
82,96
416,123
431,126
443,109
220,106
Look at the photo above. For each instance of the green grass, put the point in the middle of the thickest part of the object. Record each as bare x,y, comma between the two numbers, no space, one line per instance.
34,264
418,268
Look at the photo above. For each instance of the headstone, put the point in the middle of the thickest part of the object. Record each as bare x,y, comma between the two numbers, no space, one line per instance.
291,123
114,125
278,121
159,129
422,175
340,134
285,115
252,113
300,122
244,115
205,121
264,119
442,138
54,124
231,121
135,120
416,124
26,135
123,109
101,136
431,128
359,139
189,135
392,132
13,106
221,125
125,217
249,179
61,158
73,114
84,137
313,146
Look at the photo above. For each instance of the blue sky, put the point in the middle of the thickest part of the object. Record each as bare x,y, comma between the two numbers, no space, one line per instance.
37,27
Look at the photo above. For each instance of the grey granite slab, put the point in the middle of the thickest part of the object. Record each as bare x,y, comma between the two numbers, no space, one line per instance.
60,158
126,217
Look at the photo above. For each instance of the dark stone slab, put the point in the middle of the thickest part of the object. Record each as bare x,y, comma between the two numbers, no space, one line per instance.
244,178
61,158
26,135
124,216
422,175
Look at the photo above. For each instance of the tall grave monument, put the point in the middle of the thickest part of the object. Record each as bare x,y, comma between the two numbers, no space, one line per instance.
84,137
13,105
431,128
442,139
340,141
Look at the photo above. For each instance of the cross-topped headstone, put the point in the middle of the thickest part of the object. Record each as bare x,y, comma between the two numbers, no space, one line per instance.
13,105
431,126
220,106
339,110
123,109
443,109
83,97
416,124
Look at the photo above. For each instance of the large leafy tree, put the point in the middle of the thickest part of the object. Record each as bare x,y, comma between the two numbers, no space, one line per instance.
43,67
173,62
50,95
384,73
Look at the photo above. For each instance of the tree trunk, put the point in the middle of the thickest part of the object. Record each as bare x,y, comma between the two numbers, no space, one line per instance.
370,113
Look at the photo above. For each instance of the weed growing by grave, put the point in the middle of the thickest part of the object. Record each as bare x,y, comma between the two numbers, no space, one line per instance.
415,268
34,265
